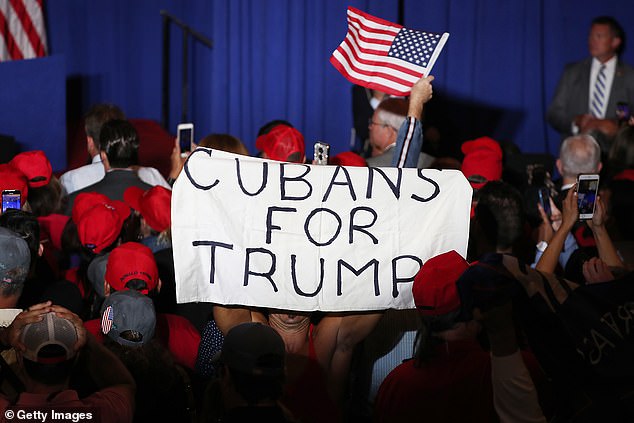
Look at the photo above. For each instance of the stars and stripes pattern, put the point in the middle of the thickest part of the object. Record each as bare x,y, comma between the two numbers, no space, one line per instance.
22,32
106,320
597,106
381,55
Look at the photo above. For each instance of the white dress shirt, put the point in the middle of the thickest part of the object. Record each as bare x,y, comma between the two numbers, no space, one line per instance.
89,174
610,68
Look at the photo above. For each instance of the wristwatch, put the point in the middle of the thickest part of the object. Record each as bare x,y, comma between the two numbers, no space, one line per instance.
541,246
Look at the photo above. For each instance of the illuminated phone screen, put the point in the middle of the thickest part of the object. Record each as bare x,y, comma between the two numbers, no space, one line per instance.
10,200
586,197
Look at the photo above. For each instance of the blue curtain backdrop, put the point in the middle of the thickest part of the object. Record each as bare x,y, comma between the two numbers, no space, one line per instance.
269,61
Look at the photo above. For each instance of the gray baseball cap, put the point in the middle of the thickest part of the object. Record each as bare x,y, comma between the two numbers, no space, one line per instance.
129,310
97,273
15,257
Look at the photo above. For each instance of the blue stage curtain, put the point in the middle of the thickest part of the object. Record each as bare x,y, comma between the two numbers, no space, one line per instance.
270,61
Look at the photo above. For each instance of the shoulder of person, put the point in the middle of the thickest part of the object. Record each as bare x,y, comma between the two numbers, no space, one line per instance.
625,67
587,62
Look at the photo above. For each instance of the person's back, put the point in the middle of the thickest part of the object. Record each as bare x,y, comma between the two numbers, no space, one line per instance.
251,378
47,339
40,274
578,154
83,176
119,146
91,173
453,386
449,378
163,393
129,322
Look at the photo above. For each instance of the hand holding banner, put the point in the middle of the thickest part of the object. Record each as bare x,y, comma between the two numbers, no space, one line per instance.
302,237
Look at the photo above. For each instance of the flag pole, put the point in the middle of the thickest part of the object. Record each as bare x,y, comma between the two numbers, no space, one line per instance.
187,32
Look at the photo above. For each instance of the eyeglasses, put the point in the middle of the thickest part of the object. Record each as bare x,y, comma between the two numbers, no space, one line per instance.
385,125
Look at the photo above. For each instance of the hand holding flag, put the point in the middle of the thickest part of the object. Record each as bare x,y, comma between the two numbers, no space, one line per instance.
422,92
385,56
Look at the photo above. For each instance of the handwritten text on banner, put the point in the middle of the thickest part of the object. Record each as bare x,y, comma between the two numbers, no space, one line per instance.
303,237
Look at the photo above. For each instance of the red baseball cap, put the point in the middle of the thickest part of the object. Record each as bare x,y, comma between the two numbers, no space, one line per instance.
85,201
35,166
434,288
348,158
626,175
131,261
154,205
12,178
483,157
99,219
52,227
281,142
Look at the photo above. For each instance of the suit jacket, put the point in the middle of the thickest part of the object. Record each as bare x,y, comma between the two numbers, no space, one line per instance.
113,185
572,94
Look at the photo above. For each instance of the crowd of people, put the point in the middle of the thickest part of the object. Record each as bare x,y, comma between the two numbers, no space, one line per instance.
531,326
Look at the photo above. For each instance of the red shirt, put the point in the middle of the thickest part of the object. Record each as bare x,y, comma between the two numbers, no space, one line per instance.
453,386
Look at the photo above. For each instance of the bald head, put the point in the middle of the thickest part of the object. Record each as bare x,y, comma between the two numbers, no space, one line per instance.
578,154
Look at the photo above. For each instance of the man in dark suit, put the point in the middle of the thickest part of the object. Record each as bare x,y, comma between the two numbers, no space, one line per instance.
119,147
583,105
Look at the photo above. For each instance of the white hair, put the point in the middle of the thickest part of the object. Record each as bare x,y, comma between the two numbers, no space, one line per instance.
579,154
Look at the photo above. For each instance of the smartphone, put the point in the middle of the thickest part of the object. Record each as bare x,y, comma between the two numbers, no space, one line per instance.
587,190
185,136
544,200
623,112
11,199
322,150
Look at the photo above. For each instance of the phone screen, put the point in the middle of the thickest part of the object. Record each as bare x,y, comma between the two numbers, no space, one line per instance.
322,150
544,200
11,199
623,110
185,138
587,197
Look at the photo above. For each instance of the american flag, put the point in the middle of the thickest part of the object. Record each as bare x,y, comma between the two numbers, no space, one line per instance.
22,32
385,56
106,320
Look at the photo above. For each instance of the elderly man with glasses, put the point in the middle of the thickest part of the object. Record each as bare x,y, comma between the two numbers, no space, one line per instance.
398,119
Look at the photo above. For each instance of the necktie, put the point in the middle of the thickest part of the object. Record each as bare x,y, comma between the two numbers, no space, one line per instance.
598,97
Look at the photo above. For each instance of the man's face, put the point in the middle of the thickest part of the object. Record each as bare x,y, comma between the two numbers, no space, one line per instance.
602,44
379,134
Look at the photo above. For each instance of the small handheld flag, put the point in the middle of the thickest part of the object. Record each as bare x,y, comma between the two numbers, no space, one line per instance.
381,55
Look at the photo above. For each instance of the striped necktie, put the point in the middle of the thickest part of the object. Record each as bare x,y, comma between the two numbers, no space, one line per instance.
599,97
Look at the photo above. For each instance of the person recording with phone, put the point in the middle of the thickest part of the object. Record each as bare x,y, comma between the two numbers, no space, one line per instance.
578,154
14,188
182,150
607,253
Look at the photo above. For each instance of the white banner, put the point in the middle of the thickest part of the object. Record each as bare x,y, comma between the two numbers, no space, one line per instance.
303,237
